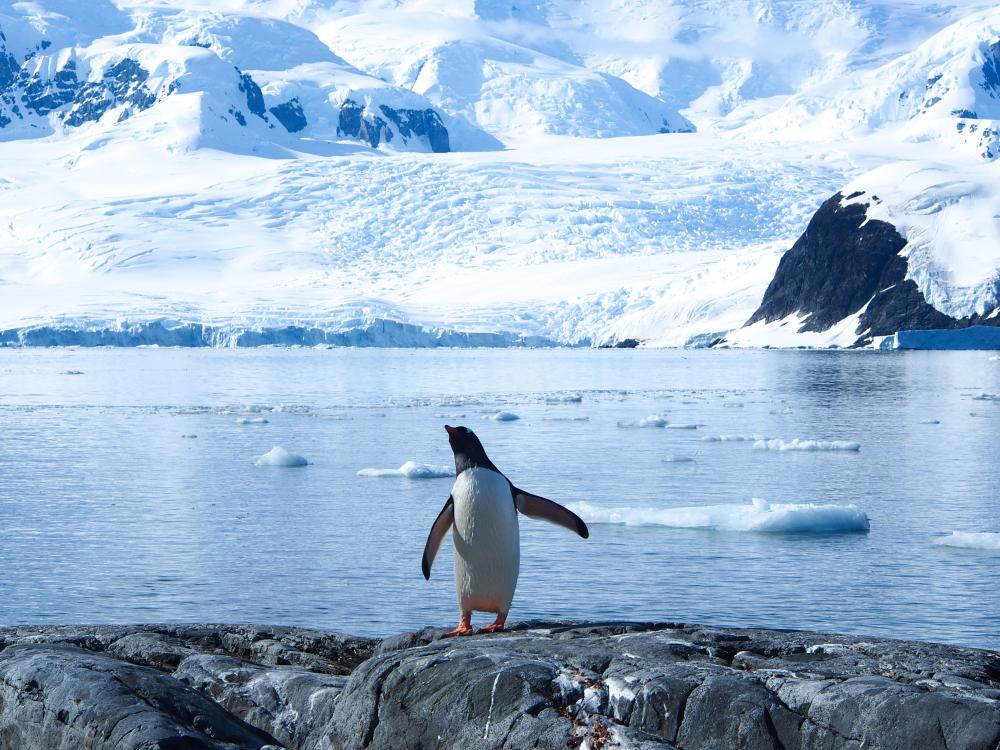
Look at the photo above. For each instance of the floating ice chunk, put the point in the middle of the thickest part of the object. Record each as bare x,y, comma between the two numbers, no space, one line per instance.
189,436
71,372
410,470
565,419
678,460
503,416
251,420
653,420
278,456
988,540
569,398
807,445
733,438
930,421
682,426
757,516
987,397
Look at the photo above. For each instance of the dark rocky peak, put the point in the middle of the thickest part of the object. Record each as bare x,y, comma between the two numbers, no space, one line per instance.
355,121
991,70
845,263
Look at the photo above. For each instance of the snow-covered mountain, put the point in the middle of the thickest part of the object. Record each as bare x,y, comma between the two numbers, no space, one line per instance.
477,172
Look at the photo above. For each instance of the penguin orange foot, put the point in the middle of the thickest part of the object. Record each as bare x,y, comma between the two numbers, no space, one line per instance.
497,625
464,626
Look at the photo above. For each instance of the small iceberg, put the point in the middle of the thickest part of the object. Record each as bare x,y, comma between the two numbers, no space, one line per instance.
503,416
411,470
653,420
807,445
930,421
988,540
278,456
760,516
569,398
682,426
733,438
251,420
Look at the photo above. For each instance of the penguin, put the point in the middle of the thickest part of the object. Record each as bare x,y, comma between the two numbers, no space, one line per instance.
483,508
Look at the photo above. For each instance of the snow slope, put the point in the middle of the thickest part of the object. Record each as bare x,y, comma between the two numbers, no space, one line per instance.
422,172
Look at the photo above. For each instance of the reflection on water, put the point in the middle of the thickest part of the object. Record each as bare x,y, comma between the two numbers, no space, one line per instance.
110,511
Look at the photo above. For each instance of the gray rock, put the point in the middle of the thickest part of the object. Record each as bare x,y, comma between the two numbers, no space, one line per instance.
61,696
648,686
665,685
292,705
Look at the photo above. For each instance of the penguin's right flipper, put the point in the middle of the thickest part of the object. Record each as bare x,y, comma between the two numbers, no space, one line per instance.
444,521
539,507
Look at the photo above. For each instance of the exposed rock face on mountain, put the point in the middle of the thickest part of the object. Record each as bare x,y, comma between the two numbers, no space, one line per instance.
643,686
845,263
46,89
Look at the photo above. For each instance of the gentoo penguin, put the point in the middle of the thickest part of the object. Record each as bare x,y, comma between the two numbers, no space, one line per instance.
483,509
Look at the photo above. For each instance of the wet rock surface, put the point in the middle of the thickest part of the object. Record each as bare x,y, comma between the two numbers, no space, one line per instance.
540,685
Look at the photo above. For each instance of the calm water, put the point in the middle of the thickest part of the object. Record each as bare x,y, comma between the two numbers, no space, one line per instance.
108,514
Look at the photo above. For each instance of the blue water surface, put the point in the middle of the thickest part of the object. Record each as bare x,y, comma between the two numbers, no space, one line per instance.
108,513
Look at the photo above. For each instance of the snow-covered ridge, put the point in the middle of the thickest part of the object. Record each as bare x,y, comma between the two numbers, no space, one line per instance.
614,173
948,89
197,57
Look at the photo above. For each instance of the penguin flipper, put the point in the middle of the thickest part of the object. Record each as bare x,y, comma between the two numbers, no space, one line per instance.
546,510
441,525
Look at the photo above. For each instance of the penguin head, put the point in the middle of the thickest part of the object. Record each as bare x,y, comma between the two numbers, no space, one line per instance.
469,452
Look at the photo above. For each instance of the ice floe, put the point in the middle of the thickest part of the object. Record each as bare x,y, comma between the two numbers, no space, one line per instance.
930,421
189,436
733,438
251,420
279,456
565,419
411,470
503,416
71,372
653,420
678,460
987,397
569,398
798,444
756,516
988,540
682,426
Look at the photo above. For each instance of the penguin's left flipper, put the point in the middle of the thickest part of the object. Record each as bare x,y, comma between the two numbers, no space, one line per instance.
441,525
539,507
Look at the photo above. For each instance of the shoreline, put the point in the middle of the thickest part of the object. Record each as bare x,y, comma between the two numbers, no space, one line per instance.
538,684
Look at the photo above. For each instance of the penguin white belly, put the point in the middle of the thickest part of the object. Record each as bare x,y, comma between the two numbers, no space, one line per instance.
487,542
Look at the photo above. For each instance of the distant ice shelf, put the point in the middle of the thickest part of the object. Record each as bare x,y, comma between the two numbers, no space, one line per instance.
372,333
974,337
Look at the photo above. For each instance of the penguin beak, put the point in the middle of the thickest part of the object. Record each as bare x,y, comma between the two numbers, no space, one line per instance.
451,430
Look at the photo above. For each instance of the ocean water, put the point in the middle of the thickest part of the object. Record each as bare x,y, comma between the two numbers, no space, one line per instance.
110,511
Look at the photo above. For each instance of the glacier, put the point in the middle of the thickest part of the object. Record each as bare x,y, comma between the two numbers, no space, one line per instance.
432,173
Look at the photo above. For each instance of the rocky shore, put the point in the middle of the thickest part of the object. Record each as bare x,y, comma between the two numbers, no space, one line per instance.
539,685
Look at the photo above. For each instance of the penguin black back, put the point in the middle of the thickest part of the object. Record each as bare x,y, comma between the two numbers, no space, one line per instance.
469,452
